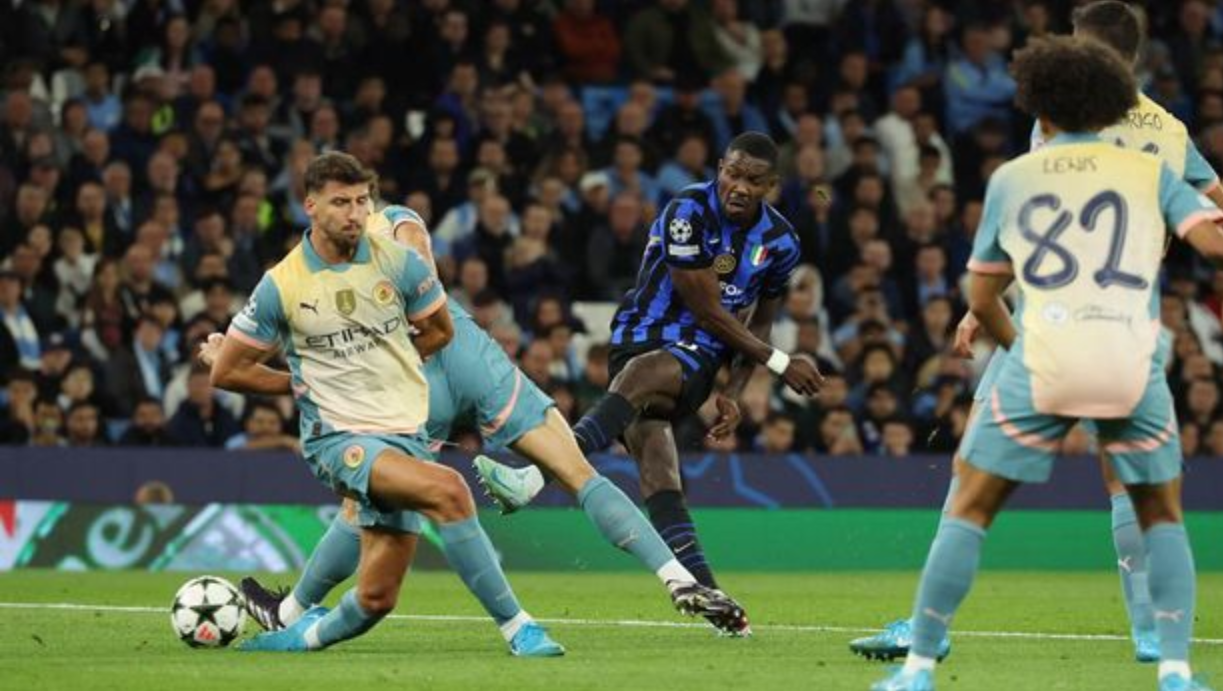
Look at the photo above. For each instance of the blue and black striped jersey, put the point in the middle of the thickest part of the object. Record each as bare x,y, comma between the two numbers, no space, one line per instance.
692,233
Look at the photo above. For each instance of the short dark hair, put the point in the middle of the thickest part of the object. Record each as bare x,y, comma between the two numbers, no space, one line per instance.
335,166
1077,84
256,404
1113,23
757,145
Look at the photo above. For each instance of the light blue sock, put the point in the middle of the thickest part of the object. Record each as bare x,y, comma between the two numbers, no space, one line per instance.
622,524
349,620
948,576
335,558
1132,563
471,554
1172,580
951,490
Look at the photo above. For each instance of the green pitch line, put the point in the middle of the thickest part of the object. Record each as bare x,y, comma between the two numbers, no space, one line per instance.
803,623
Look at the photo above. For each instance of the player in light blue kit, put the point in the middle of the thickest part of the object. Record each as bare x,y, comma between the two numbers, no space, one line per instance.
1146,127
471,376
1079,226
340,306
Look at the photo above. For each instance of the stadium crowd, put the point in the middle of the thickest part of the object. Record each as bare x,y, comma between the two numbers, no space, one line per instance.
152,152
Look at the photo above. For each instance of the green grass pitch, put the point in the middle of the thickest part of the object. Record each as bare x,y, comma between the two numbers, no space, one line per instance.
607,623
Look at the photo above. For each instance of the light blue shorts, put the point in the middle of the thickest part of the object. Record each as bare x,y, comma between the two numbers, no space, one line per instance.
473,378
342,461
1008,438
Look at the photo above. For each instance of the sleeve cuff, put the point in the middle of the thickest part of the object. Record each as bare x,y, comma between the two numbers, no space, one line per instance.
1210,216
247,339
1002,268
428,309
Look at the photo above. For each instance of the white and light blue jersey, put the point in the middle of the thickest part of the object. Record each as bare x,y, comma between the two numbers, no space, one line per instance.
1149,128
344,330
1081,224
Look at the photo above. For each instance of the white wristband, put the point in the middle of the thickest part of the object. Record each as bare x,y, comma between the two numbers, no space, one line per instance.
778,362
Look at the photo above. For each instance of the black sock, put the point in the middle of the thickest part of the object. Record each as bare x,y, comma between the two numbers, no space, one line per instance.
604,424
669,514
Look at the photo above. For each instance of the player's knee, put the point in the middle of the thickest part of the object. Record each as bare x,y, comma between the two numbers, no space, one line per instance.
378,599
636,382
452,497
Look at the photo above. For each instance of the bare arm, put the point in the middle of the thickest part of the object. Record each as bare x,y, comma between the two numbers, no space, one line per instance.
985,301
1207,239
434,331
760,324
412,234
240,368
699,290
1215,194
701,293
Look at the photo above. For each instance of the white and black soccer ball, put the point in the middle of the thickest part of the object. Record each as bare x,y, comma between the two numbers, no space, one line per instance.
208,612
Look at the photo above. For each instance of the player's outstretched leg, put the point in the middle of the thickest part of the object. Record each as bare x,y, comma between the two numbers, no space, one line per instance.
621,523
896,637
510,488
335,558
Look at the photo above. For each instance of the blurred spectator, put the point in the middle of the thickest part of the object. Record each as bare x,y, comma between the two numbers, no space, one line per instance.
614,250
83,426
536,362
682,118
689,166
673,39
263,429
19,338
777,436
138,370
17,419
977,82
733,113
201,420
897,439
148,426
738,39
837,434
588,43
48,424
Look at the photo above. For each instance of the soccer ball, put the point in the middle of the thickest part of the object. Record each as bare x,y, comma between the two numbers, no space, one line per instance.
208,612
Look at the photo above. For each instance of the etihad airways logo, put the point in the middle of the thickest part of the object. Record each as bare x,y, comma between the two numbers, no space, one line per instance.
356,339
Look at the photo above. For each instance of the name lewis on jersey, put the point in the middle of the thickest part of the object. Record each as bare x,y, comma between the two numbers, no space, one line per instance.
1071,164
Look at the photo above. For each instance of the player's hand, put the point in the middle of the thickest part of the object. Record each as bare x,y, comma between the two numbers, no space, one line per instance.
803,376
965,334
728,417
211,348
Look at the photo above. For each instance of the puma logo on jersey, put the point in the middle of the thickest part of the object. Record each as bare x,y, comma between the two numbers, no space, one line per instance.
308,306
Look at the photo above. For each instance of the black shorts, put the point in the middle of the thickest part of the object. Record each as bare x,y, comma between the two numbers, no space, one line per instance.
700,367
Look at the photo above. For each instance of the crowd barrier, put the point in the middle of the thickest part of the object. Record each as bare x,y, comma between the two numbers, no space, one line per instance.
789,481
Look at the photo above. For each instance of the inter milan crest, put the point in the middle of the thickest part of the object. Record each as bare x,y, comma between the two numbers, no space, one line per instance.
346,301
724,263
